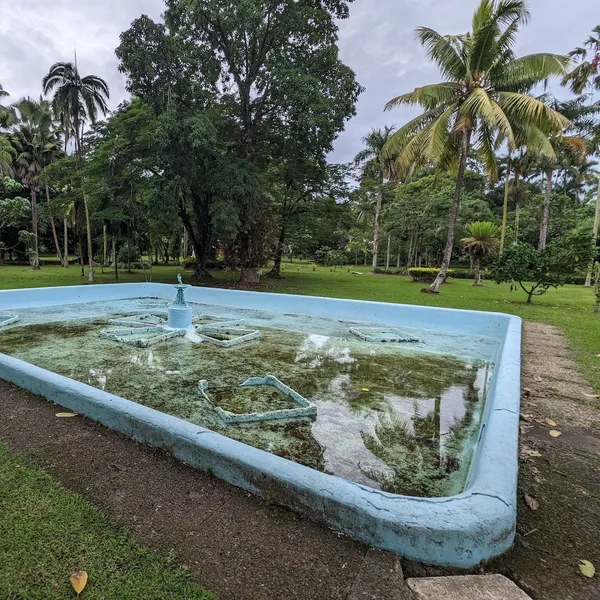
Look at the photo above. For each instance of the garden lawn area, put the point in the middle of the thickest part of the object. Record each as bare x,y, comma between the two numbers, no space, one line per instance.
46,533
569,307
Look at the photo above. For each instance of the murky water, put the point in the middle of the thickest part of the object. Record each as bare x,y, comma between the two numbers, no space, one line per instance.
400,417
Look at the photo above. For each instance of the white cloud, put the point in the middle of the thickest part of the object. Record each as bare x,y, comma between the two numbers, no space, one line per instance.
377,41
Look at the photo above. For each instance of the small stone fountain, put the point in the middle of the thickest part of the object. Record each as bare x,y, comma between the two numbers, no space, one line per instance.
180,312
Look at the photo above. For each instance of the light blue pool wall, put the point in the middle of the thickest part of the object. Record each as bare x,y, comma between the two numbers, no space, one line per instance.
459,531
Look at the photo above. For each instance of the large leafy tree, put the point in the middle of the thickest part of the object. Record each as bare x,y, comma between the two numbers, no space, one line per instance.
483,101
280,100
77,100
35,141
378,166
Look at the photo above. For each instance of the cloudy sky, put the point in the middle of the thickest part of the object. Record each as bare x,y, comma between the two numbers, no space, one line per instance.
377,41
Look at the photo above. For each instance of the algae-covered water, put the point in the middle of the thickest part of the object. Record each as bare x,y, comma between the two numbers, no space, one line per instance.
399,417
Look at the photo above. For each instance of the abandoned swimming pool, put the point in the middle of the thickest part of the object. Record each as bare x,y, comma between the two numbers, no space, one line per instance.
409,445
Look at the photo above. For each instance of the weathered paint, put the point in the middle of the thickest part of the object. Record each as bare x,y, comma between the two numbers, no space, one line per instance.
458,531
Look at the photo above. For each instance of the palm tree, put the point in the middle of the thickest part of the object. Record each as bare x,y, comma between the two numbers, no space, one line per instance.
7,152
482,241
378,165
482,102
586,73
573,147
33,139
78,100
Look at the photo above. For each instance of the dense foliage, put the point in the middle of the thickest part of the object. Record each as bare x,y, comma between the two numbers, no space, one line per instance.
220,157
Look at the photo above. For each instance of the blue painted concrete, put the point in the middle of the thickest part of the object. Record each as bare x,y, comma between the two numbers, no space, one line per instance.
458,531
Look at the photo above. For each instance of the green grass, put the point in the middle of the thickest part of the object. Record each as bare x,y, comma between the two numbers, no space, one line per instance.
569,307
46,533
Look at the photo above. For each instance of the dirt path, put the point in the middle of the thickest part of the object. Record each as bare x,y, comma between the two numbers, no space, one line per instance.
565,479
242,548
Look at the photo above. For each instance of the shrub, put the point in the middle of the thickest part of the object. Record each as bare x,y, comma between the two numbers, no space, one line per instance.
427,274
382,271
128,254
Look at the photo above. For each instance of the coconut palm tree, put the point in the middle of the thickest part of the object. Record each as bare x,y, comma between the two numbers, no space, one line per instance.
78,100
572,145
483,101
586,73
377,166
482,241
34,139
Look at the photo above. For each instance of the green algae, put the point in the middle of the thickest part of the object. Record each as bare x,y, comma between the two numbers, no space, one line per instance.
407,453
250,399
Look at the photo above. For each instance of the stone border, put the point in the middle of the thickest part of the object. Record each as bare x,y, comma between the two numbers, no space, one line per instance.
150,303
245,335
458,531
306,409
395,335
8,320
124,336
136,321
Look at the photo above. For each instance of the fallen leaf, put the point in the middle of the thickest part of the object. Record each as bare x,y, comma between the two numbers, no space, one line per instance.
592,395
525,429
587,568
531,502
65,415
79,581
555,433
550,422
532,453
365,389
538,379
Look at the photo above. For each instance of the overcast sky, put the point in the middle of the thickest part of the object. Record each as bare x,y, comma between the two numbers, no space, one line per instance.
377,41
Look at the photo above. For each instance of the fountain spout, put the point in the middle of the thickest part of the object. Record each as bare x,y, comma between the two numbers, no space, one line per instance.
180,312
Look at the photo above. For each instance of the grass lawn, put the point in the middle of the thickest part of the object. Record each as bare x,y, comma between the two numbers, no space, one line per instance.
569,307
46,533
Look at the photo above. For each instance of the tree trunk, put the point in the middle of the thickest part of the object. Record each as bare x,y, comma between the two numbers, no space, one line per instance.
588,277
387,257
398,261
186,244
250,275
114,256
88,227
104,245
66,243
275,272
517,206
477,271
81,253
58,252
35,259
434,288
505,206
545,211
377,227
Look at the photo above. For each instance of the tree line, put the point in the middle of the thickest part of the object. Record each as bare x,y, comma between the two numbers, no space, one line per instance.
220,155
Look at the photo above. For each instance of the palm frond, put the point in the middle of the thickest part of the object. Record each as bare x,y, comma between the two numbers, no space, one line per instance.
521,108
427,96
444,52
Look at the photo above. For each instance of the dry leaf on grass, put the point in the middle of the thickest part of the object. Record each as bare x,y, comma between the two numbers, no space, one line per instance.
531,502
555,433
65,415
592,395
550,422
79,580
587,568
525,429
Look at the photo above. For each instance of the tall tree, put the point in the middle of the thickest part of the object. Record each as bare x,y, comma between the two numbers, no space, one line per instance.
78,100
378,164
279,99
34,139
483,101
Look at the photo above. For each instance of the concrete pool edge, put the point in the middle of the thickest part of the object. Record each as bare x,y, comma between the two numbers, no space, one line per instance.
459,531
